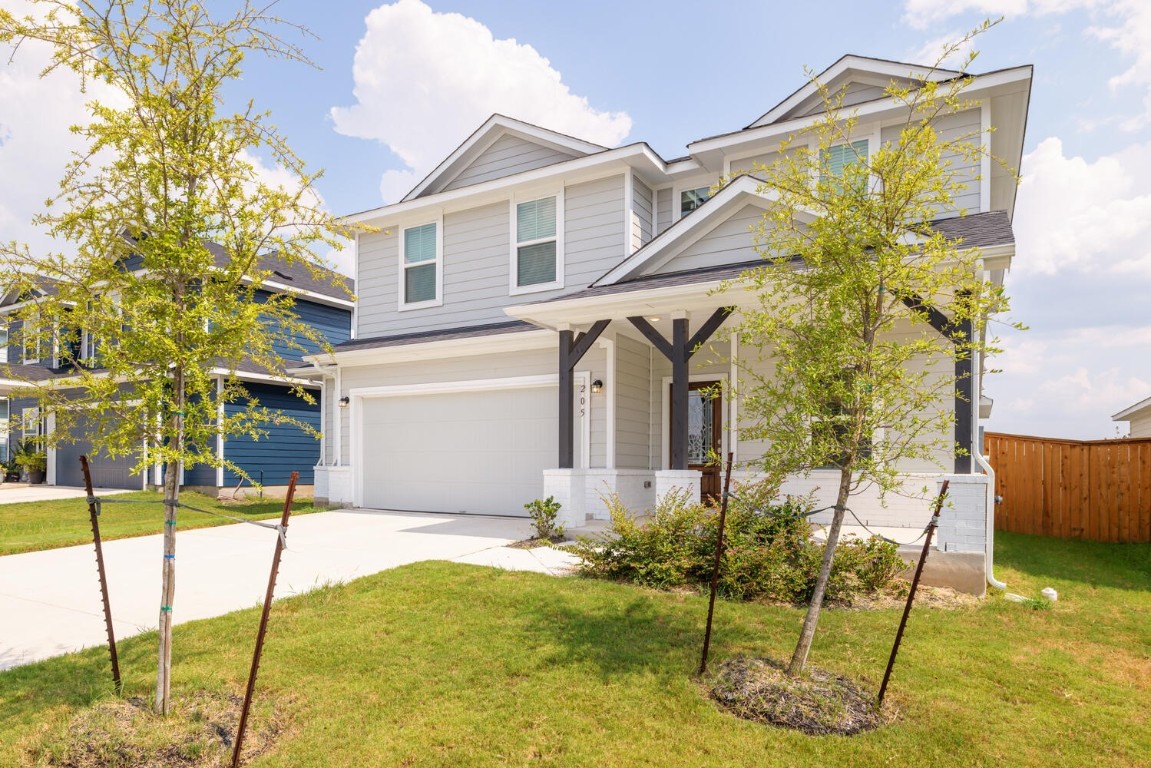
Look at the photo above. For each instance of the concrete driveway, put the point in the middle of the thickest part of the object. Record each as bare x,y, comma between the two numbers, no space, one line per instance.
50,601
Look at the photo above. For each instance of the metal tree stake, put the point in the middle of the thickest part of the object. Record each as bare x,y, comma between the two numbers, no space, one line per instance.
931,525
94,514
280,539
715,567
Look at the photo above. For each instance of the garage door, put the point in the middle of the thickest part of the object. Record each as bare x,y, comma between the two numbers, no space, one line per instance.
481,452
106,472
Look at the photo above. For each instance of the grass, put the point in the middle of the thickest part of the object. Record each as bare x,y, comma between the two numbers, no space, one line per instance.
37,525
439,664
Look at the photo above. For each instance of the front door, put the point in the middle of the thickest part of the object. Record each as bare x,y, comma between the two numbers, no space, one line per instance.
704,434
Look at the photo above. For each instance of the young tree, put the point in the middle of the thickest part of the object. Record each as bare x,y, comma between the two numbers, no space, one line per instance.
853,275
172,223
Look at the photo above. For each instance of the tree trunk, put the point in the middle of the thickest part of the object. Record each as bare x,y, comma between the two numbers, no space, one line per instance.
811,620
168,581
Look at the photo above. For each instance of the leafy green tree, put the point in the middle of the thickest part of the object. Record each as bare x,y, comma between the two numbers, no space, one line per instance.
857,379
170,183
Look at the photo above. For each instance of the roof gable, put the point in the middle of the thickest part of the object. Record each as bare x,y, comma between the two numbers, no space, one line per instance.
728,204
501,146
859,78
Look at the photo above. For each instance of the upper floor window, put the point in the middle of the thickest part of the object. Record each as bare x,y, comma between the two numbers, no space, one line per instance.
3,346
421,276
34,345
836,159
690,199
537,251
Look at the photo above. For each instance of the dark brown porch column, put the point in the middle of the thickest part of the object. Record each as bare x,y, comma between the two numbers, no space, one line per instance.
572,348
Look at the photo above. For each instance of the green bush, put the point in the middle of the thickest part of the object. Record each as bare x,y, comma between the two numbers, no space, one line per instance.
544,513
769,553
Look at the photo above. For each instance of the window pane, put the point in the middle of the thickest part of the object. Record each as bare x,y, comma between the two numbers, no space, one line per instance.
420,283
841,155
3,344
420,244
537,264
692,199
536,219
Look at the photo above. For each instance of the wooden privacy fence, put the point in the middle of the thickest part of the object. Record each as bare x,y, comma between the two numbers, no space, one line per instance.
1073,489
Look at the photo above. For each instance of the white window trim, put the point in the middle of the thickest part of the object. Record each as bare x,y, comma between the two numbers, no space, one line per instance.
29,416
696,182
3,341
438,301
513,256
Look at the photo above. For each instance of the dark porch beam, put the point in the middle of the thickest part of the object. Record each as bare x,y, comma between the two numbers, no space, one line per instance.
679,352
959,333
572,348
651,334
708,329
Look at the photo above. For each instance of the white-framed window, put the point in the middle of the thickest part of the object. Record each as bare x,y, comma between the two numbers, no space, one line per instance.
32,340
836,158
3,429
4,348
690,199
537,244
421,266
30,423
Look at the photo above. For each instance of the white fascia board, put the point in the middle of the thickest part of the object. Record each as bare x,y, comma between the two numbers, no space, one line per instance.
447,348
262,378
494,127
312,296
1127,413
863,65
619,306
997,257
982,86
634,155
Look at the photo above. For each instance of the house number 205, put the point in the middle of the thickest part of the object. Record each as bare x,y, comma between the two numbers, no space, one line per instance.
582,400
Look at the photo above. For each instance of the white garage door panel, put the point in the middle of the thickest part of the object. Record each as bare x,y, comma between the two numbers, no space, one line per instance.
482,451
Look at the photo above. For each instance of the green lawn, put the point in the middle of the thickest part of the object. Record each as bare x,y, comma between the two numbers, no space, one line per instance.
443,664
36,525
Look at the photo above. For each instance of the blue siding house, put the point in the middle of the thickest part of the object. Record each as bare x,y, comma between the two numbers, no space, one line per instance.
321,303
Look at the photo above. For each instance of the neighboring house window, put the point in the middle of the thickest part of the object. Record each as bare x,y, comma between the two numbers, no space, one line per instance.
31,341
835,159
3,429
690,199
538,257
420,266
4,349
30,423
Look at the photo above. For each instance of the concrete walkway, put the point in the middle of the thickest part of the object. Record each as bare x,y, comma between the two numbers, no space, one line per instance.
50,601
14,493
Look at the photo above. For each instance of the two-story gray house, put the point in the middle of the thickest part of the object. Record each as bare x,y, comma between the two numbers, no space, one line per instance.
526,315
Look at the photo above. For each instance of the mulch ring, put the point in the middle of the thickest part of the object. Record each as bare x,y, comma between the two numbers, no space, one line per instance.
124,733
817,702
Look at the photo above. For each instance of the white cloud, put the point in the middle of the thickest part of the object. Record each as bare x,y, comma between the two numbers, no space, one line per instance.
1075,214
923,13
1131,36
425,80
35,141
931,51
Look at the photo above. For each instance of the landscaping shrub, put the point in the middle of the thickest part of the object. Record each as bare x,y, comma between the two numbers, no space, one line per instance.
769,553
544,513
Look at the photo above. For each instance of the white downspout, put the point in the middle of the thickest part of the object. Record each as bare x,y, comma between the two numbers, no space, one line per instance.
977,454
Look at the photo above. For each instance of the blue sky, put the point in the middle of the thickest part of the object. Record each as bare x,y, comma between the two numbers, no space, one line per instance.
400,85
